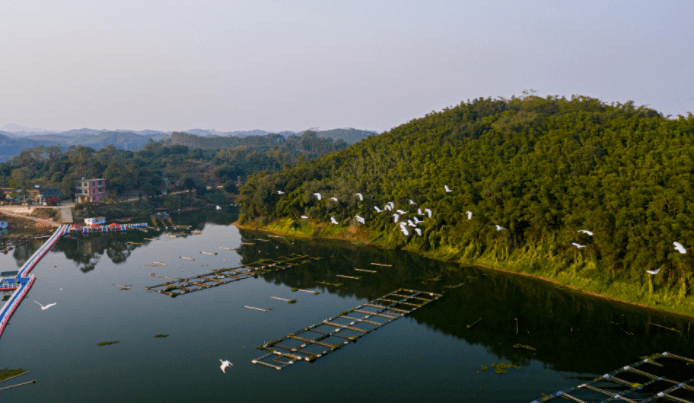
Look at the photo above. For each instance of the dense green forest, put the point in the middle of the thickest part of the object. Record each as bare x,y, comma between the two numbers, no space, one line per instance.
157,167
543,168
309,143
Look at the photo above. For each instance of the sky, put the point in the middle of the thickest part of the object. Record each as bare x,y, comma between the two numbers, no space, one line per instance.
293,65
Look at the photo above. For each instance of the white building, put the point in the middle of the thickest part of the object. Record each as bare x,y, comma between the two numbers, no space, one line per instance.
93,221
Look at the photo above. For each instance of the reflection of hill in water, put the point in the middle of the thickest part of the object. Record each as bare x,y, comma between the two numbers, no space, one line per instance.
572,332
86,250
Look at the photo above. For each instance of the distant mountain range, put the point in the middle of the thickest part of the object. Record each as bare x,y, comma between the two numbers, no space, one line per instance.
15,138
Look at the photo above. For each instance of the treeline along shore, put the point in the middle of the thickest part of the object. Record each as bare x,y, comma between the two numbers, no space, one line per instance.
577,191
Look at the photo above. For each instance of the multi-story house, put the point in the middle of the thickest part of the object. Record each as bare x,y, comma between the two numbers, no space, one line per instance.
91,190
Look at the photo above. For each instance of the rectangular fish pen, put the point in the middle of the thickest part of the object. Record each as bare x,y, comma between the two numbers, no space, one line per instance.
319,339
664,377
186,285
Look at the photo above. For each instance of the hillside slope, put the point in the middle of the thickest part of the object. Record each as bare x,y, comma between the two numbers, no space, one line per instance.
541,168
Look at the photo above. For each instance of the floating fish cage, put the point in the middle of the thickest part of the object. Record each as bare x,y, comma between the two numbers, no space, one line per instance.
218,277
319,339
664,377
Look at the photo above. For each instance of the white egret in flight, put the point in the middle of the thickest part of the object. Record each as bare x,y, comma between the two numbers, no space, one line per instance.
218,208
469,215
279,192
585,232
416,220
418,231
404,230
317,195
225,364
401,212
333,220
428,211
419,211
499,227
377,209
412,202
447,189
653,272
334,198
396,217
387,207
304,217
578,245
679,248
360,219
359,195
43,308
410,223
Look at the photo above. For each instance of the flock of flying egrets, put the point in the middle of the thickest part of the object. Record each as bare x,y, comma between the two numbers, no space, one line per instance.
389,206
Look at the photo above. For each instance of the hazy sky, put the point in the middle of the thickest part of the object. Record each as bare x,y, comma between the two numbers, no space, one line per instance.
292,65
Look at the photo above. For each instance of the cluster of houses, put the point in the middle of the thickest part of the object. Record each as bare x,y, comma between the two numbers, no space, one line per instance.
87,191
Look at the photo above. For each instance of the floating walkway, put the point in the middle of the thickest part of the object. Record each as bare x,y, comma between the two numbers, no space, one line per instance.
69,229
663,377
23,281
219,277
317,340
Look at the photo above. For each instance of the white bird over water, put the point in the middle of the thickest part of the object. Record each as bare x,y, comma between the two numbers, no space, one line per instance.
378,209
679,248
225,364
360,219
43,308
653,272
447,189
279,192
333,220
579,246
334,198
418,231
499,227
469,215
396,217
359,195
401,212
412,202
585,232
428,211
317,195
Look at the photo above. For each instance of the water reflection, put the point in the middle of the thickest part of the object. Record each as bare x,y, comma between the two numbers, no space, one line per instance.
568,331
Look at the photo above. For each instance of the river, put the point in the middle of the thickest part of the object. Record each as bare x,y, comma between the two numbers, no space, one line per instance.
431,355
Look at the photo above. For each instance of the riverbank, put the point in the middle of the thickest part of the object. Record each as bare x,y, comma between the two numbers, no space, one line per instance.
582,275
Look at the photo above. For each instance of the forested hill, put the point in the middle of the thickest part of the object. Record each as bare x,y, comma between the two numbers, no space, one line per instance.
543,168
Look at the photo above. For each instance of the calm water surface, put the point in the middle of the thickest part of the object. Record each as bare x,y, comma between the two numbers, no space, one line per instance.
428,356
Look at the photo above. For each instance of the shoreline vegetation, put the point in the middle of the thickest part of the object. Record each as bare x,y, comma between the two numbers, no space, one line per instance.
527,263
578,191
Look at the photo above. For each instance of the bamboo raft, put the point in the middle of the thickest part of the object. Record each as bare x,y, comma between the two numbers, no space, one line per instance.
368,271
661,377
155,264
350,277
222,247
257,309
186,258
151,239
209,253
382,264
331,334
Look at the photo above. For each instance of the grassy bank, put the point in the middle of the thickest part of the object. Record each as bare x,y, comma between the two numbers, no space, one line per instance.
571,269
